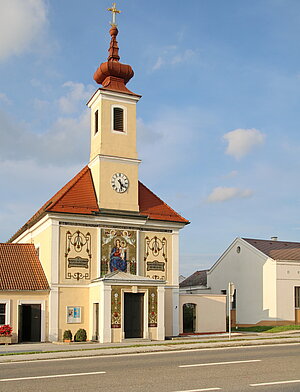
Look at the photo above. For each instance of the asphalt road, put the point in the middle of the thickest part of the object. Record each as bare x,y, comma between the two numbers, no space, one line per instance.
256,369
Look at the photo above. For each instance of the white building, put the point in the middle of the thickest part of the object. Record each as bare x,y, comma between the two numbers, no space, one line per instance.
266,275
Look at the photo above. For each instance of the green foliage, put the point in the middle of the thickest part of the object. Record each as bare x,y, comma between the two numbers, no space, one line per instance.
80,335
67,335
255,328
268,329
283,328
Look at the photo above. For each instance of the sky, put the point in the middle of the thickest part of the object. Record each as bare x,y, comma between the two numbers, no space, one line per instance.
218,122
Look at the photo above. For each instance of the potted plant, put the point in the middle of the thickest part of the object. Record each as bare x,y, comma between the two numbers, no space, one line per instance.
80,335
67,337
5,334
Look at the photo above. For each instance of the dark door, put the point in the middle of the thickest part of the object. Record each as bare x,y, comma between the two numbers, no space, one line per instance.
133,315
30,323
189,317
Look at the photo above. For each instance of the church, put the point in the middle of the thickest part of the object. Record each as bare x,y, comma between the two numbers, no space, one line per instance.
103,253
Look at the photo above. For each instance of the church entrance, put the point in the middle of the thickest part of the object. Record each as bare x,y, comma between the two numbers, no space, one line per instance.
133,315
29,323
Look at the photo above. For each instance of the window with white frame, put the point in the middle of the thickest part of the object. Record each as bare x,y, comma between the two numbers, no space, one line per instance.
118,119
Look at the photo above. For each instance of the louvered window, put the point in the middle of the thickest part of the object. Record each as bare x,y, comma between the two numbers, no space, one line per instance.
2,313
96,121
297,297
118,119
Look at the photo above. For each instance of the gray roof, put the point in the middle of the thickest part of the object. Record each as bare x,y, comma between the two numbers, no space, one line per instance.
198,278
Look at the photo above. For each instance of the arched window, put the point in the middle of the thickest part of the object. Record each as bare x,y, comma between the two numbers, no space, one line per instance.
118,119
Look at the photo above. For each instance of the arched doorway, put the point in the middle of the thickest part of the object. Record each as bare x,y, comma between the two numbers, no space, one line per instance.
189,318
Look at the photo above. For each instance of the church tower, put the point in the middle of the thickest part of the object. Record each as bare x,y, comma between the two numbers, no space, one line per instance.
113,158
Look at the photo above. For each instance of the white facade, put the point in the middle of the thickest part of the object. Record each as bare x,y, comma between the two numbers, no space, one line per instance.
264,287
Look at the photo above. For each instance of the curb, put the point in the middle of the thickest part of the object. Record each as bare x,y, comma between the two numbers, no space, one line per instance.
140,349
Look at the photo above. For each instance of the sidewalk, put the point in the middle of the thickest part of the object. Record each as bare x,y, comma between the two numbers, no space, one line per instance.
42,351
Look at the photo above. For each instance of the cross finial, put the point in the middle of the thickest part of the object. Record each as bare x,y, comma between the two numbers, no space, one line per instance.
114,11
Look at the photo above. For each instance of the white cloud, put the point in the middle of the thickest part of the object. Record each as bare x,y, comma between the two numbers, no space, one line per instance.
66,141
172,55
5,99
242,141
221,193
21,25
77,94
159,63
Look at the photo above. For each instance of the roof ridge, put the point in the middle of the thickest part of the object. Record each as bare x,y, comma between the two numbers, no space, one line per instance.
277,241
167,205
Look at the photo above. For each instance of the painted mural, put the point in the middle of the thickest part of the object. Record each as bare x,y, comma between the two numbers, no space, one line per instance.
152,307
118,251
155,258
116,307
78,255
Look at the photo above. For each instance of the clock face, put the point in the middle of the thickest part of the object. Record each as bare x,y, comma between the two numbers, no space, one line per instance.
119,182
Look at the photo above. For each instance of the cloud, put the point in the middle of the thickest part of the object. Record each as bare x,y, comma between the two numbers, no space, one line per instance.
77,94
221,193
231,174
171,55
4,99
64,142
21,25
242,141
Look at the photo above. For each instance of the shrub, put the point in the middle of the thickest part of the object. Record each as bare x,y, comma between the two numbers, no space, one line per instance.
80,335
67,335
5,330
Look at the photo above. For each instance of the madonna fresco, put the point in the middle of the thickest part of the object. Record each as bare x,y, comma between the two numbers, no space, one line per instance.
118,251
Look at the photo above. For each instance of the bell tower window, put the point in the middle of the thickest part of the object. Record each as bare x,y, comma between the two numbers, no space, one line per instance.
118,119
96,121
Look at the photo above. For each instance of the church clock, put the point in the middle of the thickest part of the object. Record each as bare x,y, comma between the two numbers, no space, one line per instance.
119,182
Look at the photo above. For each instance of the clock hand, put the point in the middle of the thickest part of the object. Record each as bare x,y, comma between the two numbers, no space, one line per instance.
120,182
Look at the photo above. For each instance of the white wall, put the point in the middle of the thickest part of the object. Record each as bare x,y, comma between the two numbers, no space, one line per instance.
210,312
248,271
288,276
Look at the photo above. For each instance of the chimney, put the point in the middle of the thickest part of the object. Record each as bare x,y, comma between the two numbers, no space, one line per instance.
274,238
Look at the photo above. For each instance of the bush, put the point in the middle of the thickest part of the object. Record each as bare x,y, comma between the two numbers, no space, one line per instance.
67,335
5,330
80,335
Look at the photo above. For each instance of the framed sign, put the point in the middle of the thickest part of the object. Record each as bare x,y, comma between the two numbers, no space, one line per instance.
73,314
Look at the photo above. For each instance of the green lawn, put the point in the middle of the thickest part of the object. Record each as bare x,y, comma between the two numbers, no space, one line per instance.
269,329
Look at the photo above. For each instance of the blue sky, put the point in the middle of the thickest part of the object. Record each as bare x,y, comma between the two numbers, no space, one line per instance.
218,122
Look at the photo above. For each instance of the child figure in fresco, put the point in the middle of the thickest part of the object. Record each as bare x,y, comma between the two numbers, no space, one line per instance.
118,257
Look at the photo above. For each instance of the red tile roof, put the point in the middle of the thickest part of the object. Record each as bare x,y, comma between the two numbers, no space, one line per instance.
78,197
20,268
155,208
277,250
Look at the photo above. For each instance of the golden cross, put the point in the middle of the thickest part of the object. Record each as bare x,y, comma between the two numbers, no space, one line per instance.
114,11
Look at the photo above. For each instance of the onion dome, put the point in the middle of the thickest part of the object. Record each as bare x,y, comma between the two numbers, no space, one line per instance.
112,74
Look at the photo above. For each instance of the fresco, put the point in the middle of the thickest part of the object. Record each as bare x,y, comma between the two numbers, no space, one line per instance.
118,251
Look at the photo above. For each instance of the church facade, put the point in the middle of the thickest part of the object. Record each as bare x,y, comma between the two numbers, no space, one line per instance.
107,248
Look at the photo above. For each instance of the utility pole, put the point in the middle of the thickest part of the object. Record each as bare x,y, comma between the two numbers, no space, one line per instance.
230,291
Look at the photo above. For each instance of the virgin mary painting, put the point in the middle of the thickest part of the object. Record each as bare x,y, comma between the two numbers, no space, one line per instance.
118,257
